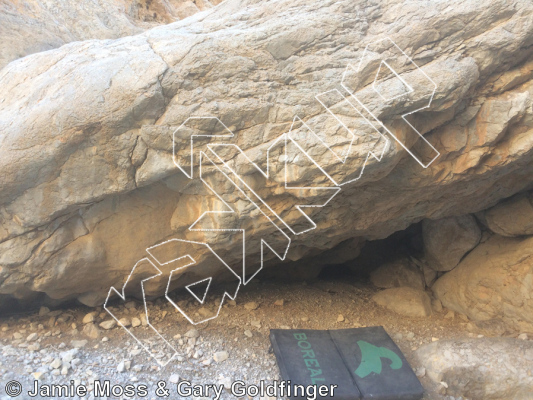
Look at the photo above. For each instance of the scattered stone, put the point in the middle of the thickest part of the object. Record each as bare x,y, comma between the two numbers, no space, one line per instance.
340,318
398,273
279,303
109,324
449,315
405,301
220,356
420,372
17,336
105,339
91,330
204,312
121,367
34,347
522,336
31,337
144,321
305,319
125,322
68,356
256,324
130,305
89,318
250,306
248,333
232,303
56,363
43,311
225,381
135,322
78,344
174,378
192,333
37,375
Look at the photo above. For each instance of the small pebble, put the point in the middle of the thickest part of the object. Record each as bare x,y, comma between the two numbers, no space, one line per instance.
109,324
252,305
220,356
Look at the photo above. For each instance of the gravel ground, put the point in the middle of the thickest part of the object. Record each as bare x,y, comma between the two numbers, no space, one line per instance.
58,347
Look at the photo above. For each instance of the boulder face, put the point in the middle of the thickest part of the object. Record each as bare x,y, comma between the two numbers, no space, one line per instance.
88,180
447,240
493,283
398,273
28,27
405,301
479,369
512,217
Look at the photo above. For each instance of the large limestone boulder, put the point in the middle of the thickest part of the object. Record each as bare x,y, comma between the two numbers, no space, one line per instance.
493,283
398,273
405,301
87,179
447,240
481,369
31,26
512,217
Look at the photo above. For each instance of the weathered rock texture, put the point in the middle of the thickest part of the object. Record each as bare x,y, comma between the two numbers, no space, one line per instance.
479,369
31,26
494,282
447,240
405,301
512,217
87,179
398,273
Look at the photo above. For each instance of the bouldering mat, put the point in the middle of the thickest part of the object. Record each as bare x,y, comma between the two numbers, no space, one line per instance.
364,363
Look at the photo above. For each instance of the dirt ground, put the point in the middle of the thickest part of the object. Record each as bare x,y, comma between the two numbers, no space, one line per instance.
240,330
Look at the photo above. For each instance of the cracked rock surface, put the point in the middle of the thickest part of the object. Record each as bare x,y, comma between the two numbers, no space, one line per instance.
87,177
32,26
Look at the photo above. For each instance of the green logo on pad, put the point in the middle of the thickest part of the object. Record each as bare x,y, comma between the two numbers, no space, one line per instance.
371,359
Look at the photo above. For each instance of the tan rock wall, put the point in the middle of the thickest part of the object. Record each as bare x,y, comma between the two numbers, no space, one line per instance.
86,131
